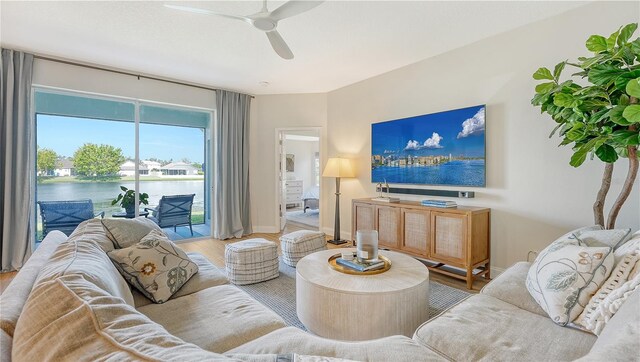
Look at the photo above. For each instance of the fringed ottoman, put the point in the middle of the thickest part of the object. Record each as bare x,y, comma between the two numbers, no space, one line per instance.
299,244
251,261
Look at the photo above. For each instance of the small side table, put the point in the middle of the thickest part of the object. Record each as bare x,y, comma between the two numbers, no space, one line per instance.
128,216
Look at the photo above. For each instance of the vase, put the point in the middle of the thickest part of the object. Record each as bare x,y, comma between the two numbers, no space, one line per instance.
130,209
367,245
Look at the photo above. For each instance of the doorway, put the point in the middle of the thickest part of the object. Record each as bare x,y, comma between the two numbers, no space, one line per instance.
299,178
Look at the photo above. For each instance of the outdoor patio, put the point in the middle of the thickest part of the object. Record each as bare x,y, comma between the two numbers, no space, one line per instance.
183,232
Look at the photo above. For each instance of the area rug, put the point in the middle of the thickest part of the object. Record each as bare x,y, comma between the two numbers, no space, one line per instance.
309,218
280,295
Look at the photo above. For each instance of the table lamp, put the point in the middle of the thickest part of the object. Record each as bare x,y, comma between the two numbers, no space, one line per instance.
338,168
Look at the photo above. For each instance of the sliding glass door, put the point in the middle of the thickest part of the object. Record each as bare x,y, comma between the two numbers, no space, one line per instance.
88,150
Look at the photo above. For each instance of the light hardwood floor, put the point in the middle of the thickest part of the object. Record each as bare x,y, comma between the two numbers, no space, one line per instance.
214,250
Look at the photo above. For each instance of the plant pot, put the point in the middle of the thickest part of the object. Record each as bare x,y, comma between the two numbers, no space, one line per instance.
130,209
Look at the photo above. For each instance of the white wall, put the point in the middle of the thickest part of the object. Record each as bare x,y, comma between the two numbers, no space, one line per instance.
269,113
533,192
71,77
304,152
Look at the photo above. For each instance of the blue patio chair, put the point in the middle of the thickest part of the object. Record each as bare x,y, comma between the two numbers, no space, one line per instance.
65,215
173,210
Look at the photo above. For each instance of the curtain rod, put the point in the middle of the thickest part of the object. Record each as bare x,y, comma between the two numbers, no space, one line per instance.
126,73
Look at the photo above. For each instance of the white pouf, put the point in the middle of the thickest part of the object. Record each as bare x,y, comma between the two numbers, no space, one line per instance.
299,244
251,261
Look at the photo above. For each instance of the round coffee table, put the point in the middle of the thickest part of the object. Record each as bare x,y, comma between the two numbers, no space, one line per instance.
360,307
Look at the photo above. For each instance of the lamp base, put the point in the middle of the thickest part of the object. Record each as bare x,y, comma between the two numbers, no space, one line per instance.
337,242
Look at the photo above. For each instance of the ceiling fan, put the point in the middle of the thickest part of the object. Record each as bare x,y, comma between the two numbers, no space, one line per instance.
264,20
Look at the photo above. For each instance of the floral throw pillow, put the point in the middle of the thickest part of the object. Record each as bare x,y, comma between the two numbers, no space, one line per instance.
566,274
155,266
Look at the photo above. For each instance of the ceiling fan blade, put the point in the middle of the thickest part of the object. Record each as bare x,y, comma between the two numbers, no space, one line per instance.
279,45
292,8
207,12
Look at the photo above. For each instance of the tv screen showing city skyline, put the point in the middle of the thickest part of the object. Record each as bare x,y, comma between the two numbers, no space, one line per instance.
445,148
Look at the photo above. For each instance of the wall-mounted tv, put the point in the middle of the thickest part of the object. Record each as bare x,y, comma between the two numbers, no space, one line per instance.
445,148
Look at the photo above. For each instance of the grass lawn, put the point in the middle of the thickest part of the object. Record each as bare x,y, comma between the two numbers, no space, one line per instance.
60,179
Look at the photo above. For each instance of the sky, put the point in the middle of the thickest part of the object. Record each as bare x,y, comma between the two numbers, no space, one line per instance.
65,135
456,132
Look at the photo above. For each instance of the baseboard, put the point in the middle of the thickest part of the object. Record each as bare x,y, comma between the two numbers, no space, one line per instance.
495,271
344,235
265,229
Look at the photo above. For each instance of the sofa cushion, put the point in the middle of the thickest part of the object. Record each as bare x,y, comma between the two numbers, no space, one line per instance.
566,274
510,287
628,247
126,232
15,295
93,230
216,319
85,258
5,346
208,276
611,237
285,357
88,324
294,340
155,266
620,339
483,328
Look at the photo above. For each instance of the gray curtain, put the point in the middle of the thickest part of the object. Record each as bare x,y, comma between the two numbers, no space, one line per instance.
231,192
16,159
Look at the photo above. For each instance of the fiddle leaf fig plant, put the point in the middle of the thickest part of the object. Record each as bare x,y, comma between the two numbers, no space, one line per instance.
598,116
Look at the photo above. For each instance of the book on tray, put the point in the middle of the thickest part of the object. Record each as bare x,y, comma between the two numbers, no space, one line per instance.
439,203
361,266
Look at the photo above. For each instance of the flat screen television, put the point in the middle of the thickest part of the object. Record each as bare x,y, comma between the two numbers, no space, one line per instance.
445,148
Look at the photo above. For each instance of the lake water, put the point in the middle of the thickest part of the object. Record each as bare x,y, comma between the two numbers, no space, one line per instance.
101,193
454,173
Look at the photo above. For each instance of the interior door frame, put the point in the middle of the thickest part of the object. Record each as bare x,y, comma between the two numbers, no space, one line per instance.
279,204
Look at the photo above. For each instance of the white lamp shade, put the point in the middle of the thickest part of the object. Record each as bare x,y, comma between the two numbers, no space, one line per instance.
338,167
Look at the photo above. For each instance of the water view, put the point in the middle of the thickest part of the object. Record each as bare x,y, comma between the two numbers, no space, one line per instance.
457,172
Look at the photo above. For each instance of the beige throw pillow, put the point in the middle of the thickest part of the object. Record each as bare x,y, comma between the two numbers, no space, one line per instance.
127,232
155,266
624,280
565,275
612,237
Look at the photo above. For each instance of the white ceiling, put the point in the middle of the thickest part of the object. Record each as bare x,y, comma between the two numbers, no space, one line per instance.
336,44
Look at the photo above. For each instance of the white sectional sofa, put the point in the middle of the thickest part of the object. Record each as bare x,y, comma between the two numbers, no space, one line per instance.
70,303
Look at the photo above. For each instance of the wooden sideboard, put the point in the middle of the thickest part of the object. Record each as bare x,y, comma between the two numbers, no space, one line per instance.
453,241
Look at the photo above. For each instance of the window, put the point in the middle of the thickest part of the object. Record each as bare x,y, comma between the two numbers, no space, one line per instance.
87,150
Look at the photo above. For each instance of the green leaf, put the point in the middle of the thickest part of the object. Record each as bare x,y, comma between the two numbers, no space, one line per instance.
624,100
539,99
616,115
632,113
554,130
558,70
635,47
123,188
545,87
596,43
611,40
543,73
562,100
607,153
633,88
623,79
626,33
580,155
604,74
625,137
576,132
